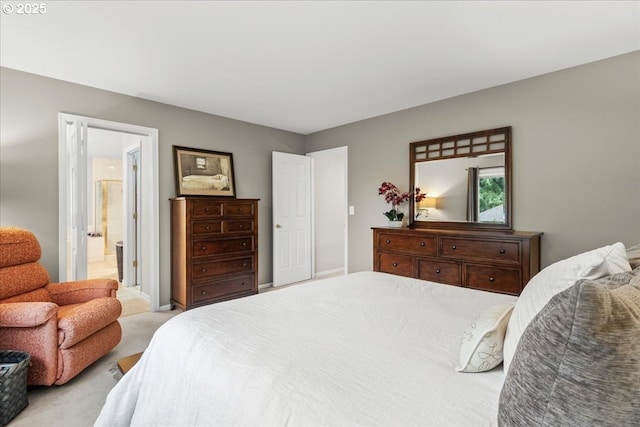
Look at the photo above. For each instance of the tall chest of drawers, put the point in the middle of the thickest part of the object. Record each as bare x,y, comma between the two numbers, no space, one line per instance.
491,261
214,250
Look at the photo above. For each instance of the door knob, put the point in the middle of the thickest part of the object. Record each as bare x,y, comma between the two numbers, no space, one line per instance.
278,226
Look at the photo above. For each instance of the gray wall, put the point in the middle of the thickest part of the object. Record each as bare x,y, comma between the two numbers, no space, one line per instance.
576,148
29,156
576,155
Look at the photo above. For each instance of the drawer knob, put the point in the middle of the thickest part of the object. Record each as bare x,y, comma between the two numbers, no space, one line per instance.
204,248
395,264
203,292
388,241
502,251
207,228
244,264
421,243
242,284
438,270
454,247
207,210
241,226
491,279
244,243
204,270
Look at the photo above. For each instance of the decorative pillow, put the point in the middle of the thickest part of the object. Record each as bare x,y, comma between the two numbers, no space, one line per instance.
482,341
578,361
633,254
555,278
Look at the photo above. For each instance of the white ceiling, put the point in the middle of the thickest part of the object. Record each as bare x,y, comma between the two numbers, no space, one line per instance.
306,66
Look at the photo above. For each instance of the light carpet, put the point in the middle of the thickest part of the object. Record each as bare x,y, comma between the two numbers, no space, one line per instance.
78,402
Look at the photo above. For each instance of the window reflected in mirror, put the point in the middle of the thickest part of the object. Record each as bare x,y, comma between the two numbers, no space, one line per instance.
489,196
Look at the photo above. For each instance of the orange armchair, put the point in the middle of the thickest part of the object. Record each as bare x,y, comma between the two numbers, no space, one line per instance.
65,327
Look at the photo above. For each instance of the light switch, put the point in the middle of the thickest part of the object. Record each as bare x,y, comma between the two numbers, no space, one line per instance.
352,210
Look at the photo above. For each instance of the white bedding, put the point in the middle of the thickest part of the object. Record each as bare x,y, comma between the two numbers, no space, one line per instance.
364,349
204,182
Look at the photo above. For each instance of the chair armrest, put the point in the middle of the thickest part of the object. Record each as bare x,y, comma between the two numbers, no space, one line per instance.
78,321
26,314
81,291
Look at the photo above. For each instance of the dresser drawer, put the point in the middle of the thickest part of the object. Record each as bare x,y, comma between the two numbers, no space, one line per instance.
206,208
503,280
396,264
207,269
238,226
208,291
231,209
476,249
419,245
214,247
439,271
206,227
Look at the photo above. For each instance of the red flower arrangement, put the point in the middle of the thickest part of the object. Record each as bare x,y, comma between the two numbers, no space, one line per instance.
395,198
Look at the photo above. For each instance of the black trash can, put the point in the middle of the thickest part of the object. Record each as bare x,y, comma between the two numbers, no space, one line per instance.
13,384
119,258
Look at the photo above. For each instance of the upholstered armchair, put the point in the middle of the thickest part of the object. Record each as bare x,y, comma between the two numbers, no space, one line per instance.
65,327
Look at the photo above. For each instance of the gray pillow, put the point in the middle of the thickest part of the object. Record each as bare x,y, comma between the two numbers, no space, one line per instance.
578,361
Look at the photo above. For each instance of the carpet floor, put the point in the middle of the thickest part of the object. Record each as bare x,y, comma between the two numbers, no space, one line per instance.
78,402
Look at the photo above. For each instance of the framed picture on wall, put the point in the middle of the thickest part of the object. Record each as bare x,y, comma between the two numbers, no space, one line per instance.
203,172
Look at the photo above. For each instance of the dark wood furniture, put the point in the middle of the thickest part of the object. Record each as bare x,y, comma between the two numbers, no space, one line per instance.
126,363
496,261
214,250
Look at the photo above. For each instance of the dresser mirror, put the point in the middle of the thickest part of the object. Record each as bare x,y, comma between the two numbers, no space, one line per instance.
466,180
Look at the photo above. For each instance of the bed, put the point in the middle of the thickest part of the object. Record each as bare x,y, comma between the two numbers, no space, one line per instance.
367,348
205,182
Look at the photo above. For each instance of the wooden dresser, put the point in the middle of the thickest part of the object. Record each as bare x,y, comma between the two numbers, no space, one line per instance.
487,260
214,250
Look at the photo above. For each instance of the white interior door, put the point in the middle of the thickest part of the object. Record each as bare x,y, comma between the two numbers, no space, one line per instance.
72,229
291,218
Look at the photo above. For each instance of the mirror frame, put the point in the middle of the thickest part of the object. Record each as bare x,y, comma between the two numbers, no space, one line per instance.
445,152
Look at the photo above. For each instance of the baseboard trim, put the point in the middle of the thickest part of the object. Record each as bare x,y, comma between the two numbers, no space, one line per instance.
265,285
329,272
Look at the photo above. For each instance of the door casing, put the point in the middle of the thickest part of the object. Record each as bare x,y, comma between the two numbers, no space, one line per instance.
149,239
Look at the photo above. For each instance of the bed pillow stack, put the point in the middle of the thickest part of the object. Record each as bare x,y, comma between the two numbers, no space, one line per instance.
578,361
605,261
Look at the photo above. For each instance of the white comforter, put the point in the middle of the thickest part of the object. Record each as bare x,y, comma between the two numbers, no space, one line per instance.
363,349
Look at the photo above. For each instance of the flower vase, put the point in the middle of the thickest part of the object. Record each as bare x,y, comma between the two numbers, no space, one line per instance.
395,224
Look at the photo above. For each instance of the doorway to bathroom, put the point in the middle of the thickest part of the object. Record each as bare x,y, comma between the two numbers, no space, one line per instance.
108,177
110,156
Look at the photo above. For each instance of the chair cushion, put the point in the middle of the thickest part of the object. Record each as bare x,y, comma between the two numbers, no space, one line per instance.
39,295
23,278
26,315
78,321
18,246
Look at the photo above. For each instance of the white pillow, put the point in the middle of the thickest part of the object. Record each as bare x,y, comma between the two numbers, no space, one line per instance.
556,278
482,341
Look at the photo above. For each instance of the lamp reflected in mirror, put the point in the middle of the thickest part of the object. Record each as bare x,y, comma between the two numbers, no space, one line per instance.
425,204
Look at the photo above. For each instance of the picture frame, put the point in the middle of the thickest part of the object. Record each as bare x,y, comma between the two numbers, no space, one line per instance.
203,172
